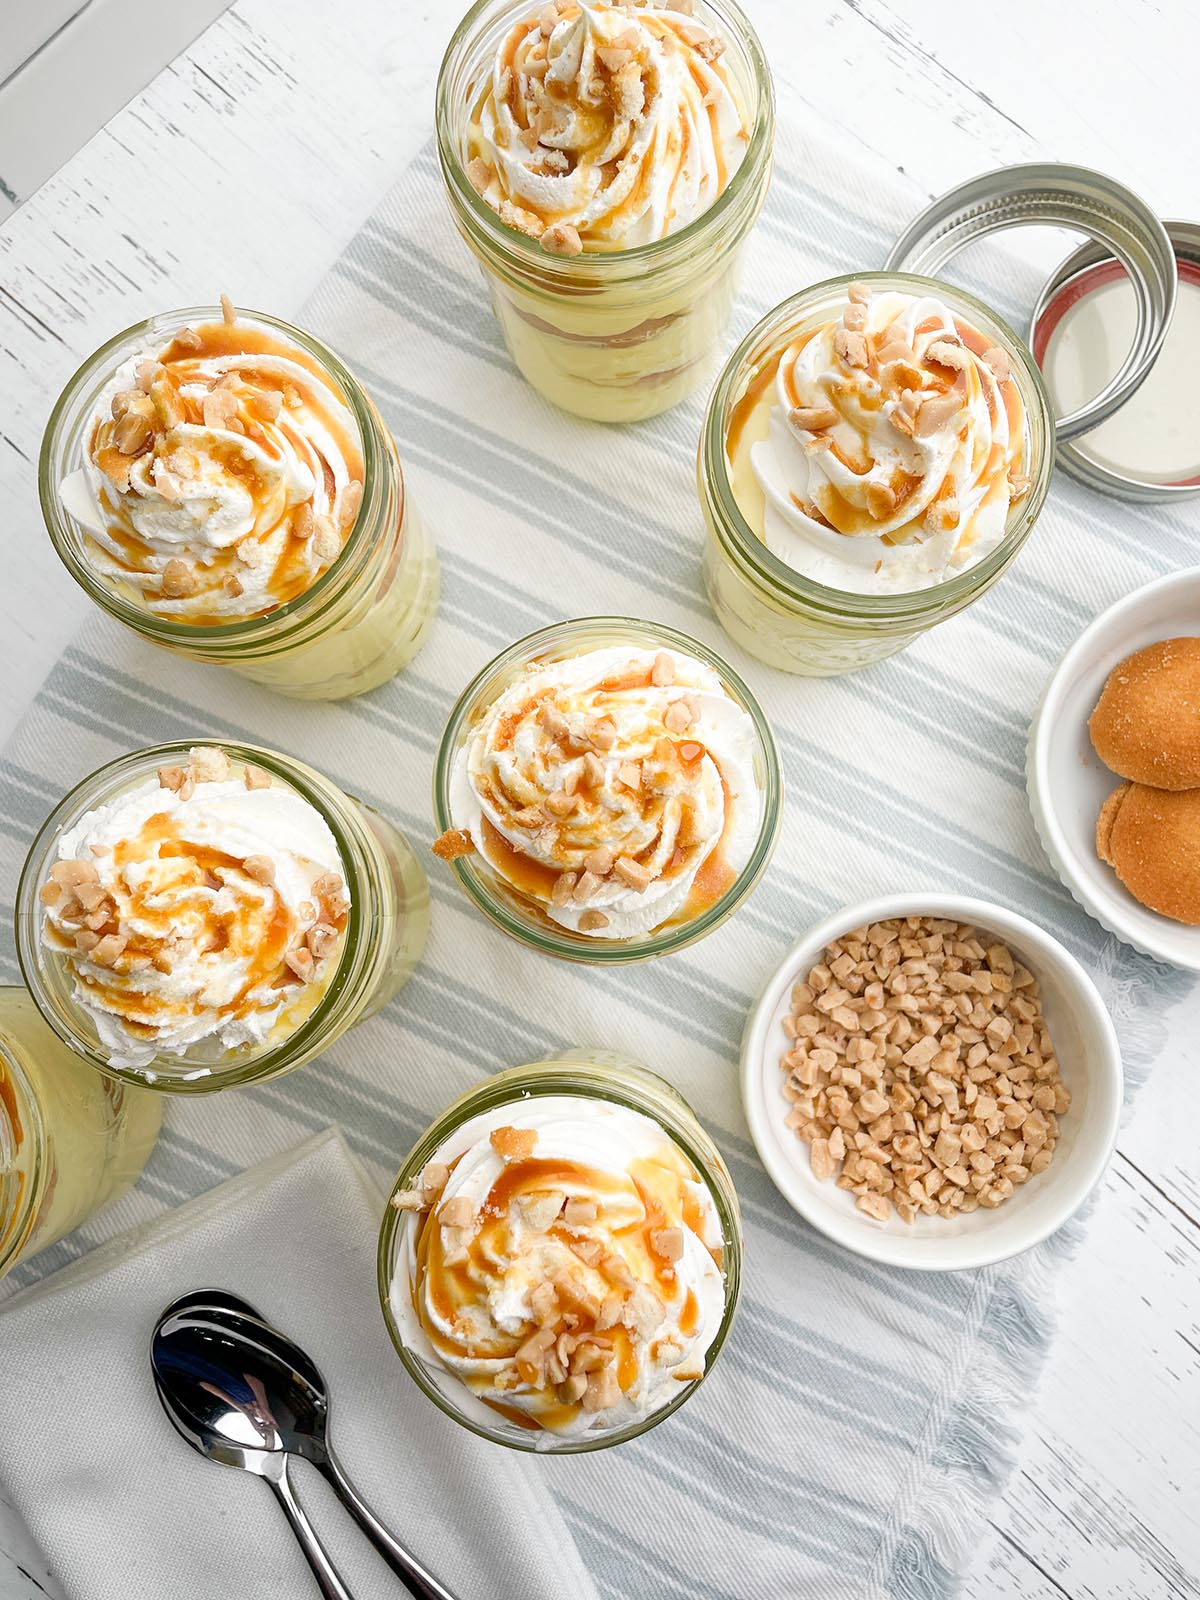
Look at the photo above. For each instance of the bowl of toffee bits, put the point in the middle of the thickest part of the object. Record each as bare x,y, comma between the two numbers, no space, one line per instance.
932,1081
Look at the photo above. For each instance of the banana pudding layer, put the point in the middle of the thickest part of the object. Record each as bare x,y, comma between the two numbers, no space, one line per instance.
602,127
614,790
205,907
222,473
563,1262
881,452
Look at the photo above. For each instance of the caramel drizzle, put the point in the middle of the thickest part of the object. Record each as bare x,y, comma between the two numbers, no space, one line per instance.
990,460
259,929
457,1294
524,52
591,823
294,569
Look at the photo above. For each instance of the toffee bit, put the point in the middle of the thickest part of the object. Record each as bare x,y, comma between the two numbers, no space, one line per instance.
301,963
326,541
920,1071
178,579
321,940
479,175
851,347
453,844
208,764
513,1144
260,868
351,502
561,239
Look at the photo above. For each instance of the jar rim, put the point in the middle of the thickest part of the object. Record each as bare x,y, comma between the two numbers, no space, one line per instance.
586,1075
902,609
604,266
562,942
172,1072
19,1212
237,631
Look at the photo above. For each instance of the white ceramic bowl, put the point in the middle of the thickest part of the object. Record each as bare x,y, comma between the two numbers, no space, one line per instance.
1068,782
1089,1059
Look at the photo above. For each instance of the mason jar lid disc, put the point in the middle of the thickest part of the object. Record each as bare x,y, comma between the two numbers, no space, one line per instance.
1150,448
1117,223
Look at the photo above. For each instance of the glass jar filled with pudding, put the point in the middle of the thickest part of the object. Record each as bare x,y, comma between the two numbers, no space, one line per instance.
199,918
608,790
71,1140
874,455
560,1262
223,485
605,163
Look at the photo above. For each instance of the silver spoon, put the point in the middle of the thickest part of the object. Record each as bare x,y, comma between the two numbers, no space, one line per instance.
243,1394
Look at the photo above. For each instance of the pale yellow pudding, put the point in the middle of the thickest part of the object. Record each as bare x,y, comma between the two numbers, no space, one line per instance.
71,1140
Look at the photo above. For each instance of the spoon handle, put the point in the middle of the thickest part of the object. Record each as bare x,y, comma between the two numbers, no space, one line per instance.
416,1578
324,1571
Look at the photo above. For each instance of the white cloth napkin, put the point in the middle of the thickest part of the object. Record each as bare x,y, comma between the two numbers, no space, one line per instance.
124,1510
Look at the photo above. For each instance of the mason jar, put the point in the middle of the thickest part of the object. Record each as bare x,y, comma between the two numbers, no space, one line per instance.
773,611
579,1083
362,620
385,928
522,915
614,334
71,1140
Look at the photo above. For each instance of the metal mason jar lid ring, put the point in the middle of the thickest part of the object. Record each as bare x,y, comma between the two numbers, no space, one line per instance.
1116,459
1088,202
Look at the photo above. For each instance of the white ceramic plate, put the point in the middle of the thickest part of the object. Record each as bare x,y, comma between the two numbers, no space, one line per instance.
1068,782
1089,1059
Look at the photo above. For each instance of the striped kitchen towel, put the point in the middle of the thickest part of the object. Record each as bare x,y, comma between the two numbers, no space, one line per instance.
848,1442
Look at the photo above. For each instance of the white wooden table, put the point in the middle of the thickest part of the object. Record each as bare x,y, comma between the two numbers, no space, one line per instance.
250,162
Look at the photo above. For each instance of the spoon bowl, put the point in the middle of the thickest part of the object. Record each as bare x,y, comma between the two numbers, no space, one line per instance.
232,1381
245,1395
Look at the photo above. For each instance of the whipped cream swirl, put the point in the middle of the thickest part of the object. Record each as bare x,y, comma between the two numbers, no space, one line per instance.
896,443
199,906
609,125
563,1263
222,473
614,789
